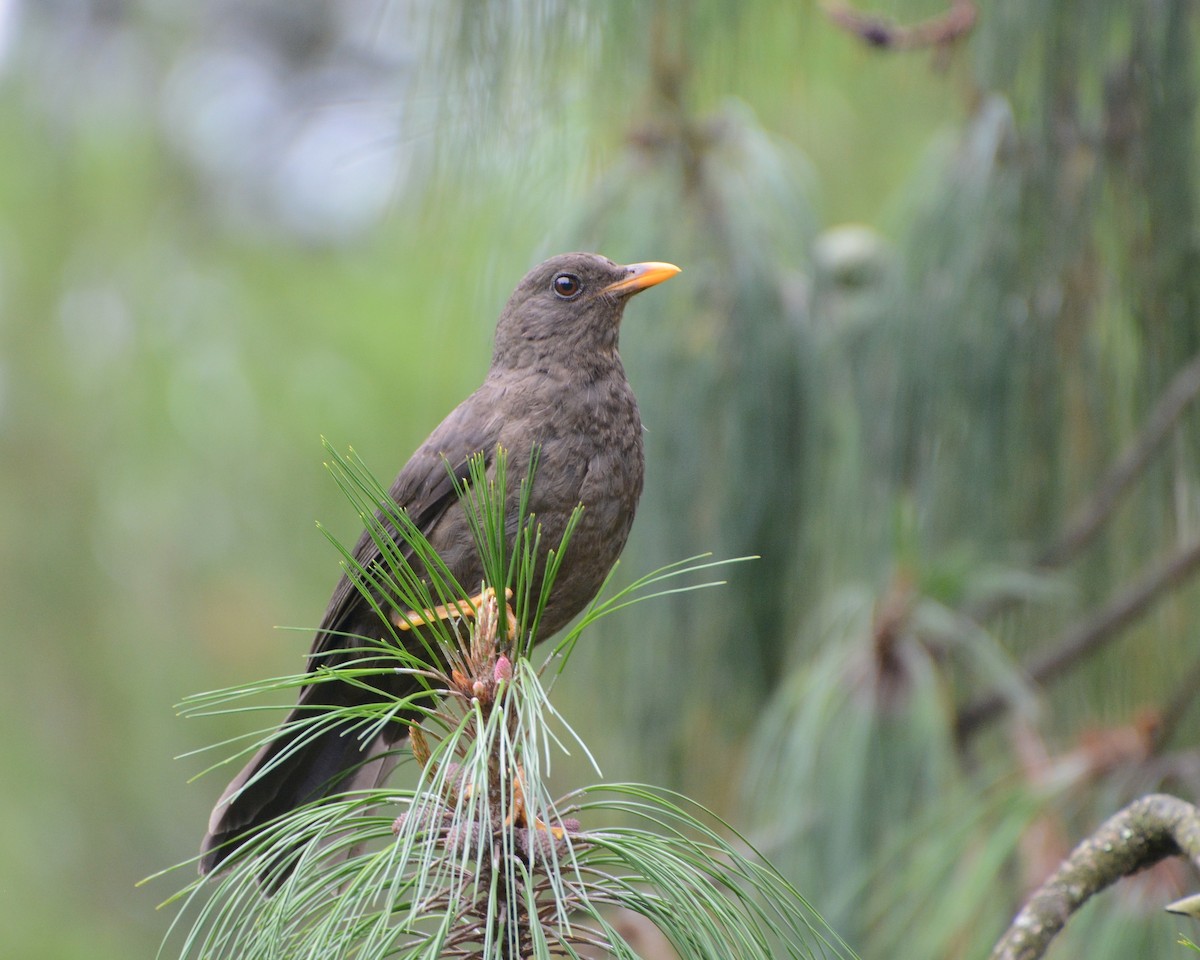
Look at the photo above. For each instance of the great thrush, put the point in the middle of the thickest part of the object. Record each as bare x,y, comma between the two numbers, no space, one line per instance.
555,382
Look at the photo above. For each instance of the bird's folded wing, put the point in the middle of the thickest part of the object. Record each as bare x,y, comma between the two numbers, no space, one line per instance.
425,489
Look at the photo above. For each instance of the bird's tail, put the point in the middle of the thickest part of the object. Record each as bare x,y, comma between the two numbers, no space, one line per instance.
289,772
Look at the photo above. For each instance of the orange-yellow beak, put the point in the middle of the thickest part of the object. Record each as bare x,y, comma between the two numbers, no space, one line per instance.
639,276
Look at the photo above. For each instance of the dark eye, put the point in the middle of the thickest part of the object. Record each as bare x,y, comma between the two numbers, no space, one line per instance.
567,286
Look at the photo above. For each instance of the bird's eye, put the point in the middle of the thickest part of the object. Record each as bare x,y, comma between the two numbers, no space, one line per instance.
567,286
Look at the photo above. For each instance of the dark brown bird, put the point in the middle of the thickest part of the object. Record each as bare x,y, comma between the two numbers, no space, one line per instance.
555,381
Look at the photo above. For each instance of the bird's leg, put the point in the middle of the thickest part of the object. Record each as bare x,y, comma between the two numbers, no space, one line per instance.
465,609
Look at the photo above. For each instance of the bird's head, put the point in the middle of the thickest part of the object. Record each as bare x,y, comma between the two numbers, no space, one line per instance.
570,306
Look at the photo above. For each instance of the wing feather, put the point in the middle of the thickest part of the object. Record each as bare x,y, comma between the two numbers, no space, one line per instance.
425,489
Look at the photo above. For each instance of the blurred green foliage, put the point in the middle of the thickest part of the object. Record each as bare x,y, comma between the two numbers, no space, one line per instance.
929,297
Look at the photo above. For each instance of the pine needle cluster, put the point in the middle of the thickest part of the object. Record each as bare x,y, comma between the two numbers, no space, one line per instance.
478,858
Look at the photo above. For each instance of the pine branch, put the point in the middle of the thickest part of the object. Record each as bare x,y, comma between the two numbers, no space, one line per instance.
481,861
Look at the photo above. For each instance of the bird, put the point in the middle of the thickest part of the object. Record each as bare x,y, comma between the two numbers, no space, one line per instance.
556,385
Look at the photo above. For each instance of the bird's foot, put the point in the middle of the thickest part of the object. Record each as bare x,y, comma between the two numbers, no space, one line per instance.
469,608
518,815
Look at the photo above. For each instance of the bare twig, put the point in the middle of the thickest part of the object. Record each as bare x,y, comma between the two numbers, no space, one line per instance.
1084,638
939,31
1088,519
1180,392
1089,635
1148,830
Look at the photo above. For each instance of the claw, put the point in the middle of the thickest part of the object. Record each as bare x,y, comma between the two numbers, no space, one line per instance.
518,817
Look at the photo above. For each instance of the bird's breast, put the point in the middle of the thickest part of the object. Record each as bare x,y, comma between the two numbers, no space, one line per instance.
589,437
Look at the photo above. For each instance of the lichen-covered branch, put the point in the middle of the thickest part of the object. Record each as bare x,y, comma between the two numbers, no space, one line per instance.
1150,829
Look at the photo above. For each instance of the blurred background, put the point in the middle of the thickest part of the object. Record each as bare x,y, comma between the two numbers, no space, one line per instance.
932,358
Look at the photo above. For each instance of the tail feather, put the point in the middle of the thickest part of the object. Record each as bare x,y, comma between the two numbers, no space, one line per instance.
284,775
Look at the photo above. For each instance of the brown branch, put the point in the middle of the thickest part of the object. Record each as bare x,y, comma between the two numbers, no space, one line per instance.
1091,634
1091,516
1080,640
939,31
1148,830
1083,526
